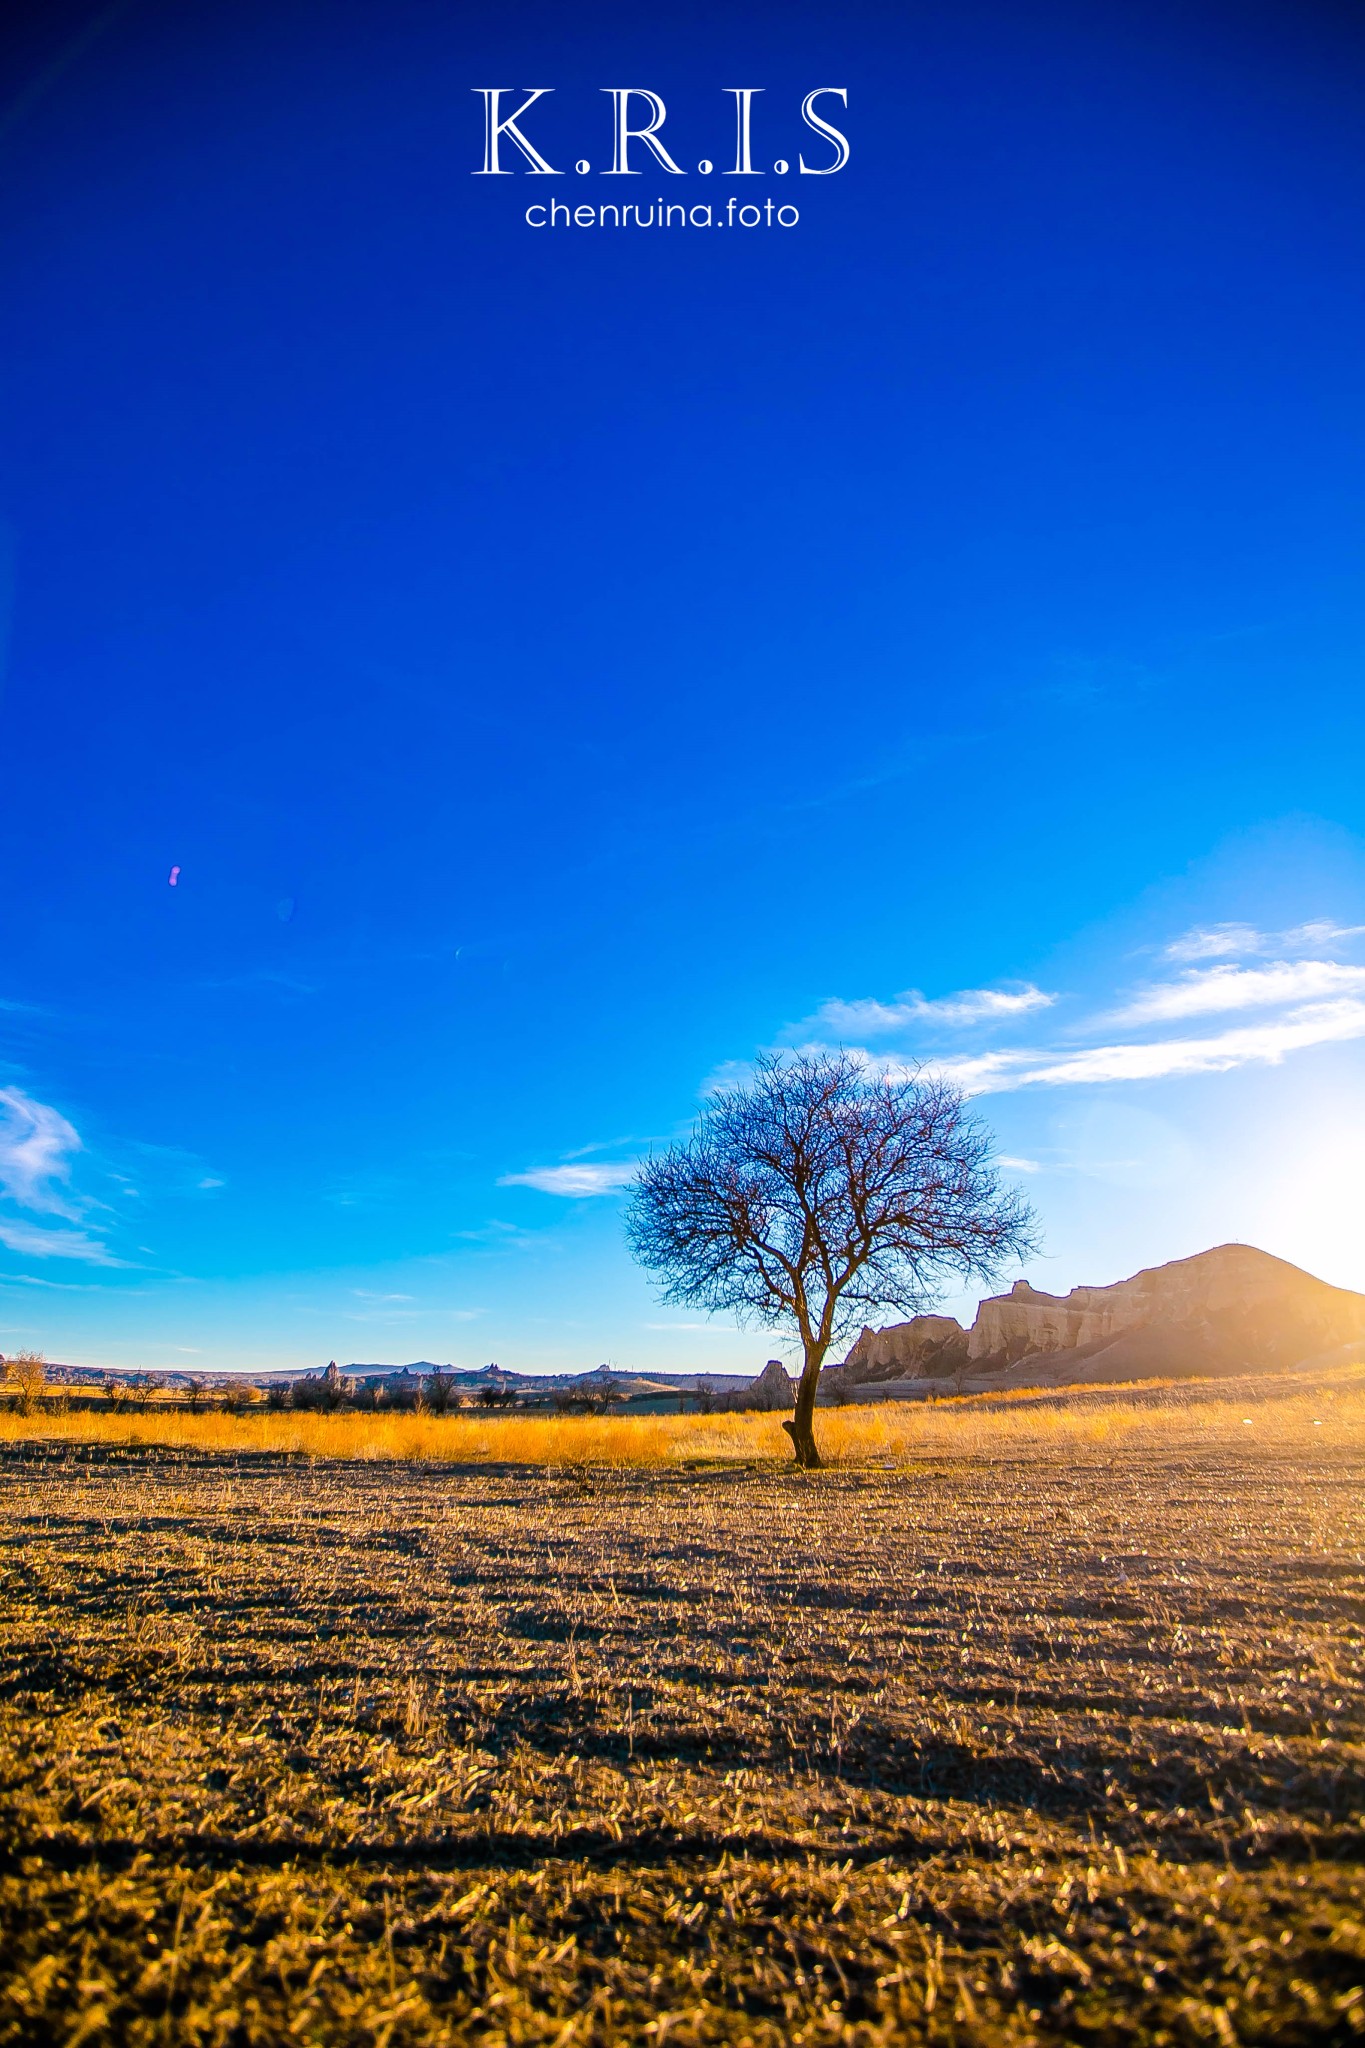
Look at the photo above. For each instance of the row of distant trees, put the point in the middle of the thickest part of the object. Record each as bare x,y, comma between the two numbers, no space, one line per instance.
27,1385
434,1393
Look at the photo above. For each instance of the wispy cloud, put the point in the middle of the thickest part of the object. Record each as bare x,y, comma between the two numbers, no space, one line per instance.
1245,941
61,1286
499,1235
364,1189
37,1145
164,1172
1244,1045
985,1073
998,1073
700,1329
262,978
1211,990
427,1312
1309,1002
55,1244
870,1018
571,1180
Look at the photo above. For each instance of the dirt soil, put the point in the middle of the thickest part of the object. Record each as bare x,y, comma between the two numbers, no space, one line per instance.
985,1752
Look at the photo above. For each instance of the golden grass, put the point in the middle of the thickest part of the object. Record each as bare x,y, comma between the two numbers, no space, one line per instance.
847,1436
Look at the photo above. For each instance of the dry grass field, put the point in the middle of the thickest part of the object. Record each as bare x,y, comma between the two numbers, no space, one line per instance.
1035,1726
1283,1409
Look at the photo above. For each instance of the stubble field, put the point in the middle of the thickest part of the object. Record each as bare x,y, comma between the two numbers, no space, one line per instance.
1035,1742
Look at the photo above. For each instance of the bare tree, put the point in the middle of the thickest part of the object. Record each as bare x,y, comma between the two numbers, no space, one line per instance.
818,1193
25,1379
440,1391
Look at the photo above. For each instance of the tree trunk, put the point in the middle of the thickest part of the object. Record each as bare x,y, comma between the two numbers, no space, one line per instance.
800,1426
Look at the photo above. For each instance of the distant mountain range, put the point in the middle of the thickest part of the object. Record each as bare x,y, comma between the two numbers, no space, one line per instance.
599,1379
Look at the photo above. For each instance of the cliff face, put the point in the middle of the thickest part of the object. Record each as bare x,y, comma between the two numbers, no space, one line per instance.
904,1351
1226,1310
1025,1319
1236,1293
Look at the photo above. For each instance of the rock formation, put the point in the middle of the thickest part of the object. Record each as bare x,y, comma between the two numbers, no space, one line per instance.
1233,1309
772,1389
1233,1300
923,1347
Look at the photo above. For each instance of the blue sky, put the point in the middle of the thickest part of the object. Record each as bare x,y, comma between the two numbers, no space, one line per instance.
559,664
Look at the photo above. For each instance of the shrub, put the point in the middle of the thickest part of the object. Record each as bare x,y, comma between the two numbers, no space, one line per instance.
26,1379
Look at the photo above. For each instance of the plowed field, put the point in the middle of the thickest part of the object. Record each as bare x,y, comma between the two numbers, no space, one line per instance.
1021,1749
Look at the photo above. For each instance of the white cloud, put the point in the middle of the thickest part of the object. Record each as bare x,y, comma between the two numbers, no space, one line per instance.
999,1073
1244,1045
61,1286
1317,1001
1018,1165
729,1074
1215,942
973,1005
36,1144
1240,941
868,1018
1320,932
55,1244
1209,990
979,1074
571,1180
1162,1059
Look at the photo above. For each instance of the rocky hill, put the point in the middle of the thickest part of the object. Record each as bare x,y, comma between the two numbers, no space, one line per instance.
1229,1310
